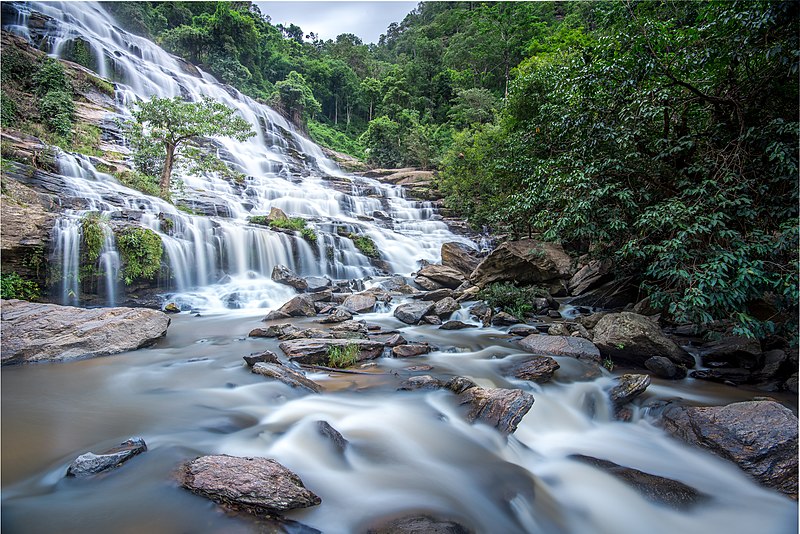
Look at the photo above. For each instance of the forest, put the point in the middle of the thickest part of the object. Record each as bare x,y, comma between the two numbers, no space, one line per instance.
660,134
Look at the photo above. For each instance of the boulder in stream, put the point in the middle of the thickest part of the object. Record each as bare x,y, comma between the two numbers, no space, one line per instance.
316,351
663,367
631,339
410,350
441,274
260,486
338,315
360,303
34,332
539,369
299,306
283,275
287,375
628,387
332,435
460,257
266,356
498,407
456,325
417,524
413,312
90,464
523,262
575,347
445,307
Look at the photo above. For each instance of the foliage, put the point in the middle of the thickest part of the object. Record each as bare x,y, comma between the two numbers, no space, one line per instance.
92,236
9,110
50,76
511,299
57,111
13,286
139,181
140,251
309,235
335,139
383,142
86,139
294,96
341,357
292,223
365,245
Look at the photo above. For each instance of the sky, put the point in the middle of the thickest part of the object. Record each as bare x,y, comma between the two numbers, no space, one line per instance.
367,20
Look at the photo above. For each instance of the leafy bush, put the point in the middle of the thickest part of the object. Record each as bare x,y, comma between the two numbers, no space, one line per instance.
57,110
9,110
13,286
341,357
292,223
328,136
92,236
141,182
309,235
140,251
365,245
49,77
511,299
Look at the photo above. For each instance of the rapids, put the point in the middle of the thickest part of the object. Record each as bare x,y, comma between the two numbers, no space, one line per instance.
191,394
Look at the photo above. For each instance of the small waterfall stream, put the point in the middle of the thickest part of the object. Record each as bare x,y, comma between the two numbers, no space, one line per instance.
191,395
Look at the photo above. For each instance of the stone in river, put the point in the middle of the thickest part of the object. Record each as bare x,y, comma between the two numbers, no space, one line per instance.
90,464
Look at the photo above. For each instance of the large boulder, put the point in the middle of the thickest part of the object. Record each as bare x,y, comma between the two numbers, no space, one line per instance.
460,257
260,486
575,347
538,369
631,339
589,276
299,306
664,368
284,275
47,332
524,262
316,351
445,307
89,463
443,275
498,407
732,351
413,312
758,436
360,303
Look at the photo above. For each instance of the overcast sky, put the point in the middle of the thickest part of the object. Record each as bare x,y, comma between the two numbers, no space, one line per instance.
367,20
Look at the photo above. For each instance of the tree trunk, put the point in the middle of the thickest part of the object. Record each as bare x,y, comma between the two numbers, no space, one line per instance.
166,175
370,109
335,109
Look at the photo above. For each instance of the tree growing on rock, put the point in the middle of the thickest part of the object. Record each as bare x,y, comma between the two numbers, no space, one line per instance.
168,131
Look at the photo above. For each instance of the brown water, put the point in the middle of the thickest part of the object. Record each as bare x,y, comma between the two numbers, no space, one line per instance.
191,394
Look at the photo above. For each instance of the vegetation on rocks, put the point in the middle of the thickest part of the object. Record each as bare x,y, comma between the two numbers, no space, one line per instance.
13,286
341,357
511,299
140,251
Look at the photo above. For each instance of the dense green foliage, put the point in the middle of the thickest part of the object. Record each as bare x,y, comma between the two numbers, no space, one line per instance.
341,357
292,223
13,286
365,245
165,132
140,251
511,299
92,237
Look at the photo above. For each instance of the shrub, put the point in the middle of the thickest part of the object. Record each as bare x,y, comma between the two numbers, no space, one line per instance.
293,223
341,357
140,250
365,245
309,235
92,236
514,300
13,286
57,110
9,110
50,77
142,182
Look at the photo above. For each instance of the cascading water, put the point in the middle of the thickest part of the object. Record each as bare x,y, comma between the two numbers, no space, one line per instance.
407,452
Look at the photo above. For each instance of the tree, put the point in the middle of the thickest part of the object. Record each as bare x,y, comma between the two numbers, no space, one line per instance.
167,130
295,97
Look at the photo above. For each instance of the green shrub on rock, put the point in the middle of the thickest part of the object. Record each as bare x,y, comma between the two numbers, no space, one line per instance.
512,299
140,250
13,286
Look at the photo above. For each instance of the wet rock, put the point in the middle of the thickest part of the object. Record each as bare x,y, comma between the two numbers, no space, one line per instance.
420,382
47,332
575,347
277,214
350,327
431,319
591,275
590,321
445,307
460,257
299,306
267,357
726,375
539,369
323,296
732,351
629,386
459,384
420,368
284,275
332,435
524,262
792,383
315,351
652,487
758,436
456,325
395,340
664,368
276,315
615,294
773,360
522,331
629,338
259,332
410,350
317,283
437,294
172,308
398,284
90,464
497,407
287,375
413,312
558,329
504,319
260,486
338,315
417,524
427,283
360,303
281,331
441,274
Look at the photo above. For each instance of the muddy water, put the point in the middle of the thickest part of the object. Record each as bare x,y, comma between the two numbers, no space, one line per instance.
191,394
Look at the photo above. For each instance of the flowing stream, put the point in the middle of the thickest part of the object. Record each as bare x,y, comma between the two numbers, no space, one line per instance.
191,393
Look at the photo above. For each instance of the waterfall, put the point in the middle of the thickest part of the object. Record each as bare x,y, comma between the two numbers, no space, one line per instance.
220,257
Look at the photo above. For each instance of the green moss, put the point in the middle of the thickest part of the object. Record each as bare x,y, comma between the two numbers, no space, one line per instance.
92,236
140,182
186,209
341,357
140,251
13,286
86,139
365,245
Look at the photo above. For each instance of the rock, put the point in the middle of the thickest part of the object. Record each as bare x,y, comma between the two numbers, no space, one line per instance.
338,315
792,383
417,524
629,386
575,347
360,303
281,331
445,307
90,464
470,293
276,315
267,356
47,332
172,308
726,375
277,214
395,340
773,360
427,283
431,319
441,274
631,339
283,275
317,283
259,332
591,275
288,376
652,487
522,331
398,284
349,328
497,407
460,257
558,329
758,436
420,382
524,262
456,325
333,435
590,321
664,368
323,296
410,350
315,351
504,319
299,306
732,351
413,312
539,369
459,384
611,295
260,486
436,294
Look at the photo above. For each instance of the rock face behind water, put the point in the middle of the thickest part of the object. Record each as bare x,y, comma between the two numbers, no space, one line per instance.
91,464
759,437
630,338
47,332
525,262
260,486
